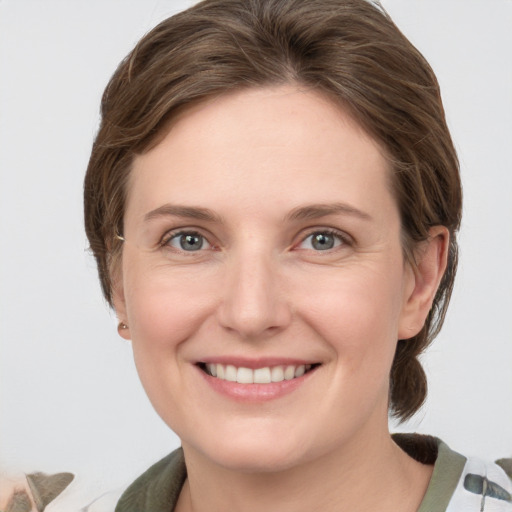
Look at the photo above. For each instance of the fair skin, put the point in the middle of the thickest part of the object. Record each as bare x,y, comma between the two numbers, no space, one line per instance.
261,233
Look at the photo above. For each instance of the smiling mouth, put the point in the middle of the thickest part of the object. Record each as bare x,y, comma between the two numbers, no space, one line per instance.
265,375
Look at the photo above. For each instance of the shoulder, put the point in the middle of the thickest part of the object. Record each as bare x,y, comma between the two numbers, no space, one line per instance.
459,483
158,488
483,486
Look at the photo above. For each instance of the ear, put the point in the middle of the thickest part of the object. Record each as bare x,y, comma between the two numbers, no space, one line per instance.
422,281
119,304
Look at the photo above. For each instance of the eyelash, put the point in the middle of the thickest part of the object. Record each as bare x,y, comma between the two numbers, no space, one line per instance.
337,235
342,238
182,232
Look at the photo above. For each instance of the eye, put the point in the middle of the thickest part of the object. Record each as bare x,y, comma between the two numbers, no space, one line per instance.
188,241
322,241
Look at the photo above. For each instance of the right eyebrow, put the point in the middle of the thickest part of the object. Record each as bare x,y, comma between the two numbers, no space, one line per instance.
186,212
315,211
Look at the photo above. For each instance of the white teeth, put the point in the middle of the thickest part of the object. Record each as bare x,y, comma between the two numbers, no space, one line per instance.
230,373
289,372
300,370
245,376
263,375
212,368
277,374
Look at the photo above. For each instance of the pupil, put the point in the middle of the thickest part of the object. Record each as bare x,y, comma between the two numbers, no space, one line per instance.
322,241
191,242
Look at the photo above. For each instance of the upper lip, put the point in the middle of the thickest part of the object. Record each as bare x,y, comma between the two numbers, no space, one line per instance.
254,363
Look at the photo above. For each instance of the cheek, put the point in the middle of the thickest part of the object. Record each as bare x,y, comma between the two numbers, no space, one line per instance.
161,318
165,308
357,313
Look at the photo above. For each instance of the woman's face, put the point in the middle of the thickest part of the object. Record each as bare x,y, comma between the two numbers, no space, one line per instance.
263,243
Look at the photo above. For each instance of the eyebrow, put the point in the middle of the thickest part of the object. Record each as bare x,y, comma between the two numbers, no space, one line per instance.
315,211
186,212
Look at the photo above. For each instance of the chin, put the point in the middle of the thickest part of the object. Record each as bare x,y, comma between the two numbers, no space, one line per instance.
257,459
254,451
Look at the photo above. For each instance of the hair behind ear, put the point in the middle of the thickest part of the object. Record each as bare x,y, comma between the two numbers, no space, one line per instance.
408,381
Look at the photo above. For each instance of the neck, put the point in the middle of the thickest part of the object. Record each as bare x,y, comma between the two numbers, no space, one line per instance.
372,474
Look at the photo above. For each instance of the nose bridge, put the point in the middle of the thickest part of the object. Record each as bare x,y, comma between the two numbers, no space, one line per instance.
253,303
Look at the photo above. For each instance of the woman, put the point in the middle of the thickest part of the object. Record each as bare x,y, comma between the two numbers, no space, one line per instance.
272,200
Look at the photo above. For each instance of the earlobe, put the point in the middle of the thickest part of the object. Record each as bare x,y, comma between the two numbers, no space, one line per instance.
119,304
123,330
430,264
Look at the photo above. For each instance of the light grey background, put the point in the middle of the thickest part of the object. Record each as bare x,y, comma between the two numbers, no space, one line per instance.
69,394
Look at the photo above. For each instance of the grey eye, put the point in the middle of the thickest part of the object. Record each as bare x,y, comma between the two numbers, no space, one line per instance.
188,242
321,241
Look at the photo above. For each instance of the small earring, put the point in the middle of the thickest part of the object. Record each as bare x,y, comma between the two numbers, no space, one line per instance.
121,326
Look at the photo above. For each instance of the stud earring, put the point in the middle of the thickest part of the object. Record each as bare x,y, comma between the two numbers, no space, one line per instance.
121,326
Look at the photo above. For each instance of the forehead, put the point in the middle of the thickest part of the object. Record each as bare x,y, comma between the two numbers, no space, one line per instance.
261,147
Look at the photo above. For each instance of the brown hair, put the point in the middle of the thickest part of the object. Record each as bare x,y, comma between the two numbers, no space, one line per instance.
348,49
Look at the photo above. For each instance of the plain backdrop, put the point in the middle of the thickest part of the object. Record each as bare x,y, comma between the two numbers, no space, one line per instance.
70,399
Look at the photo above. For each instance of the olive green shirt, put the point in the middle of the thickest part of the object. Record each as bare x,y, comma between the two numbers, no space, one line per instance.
457,484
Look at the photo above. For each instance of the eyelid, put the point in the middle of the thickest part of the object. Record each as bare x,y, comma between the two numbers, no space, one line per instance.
345,238
173,233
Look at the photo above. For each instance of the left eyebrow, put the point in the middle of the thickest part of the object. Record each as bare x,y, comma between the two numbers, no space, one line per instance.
186,212
315,211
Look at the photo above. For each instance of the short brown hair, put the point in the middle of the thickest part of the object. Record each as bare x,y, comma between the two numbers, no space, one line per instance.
349,50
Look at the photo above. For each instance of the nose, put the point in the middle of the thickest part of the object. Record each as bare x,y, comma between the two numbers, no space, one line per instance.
253,301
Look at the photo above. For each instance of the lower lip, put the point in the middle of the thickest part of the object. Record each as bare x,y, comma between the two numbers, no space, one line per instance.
255,392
